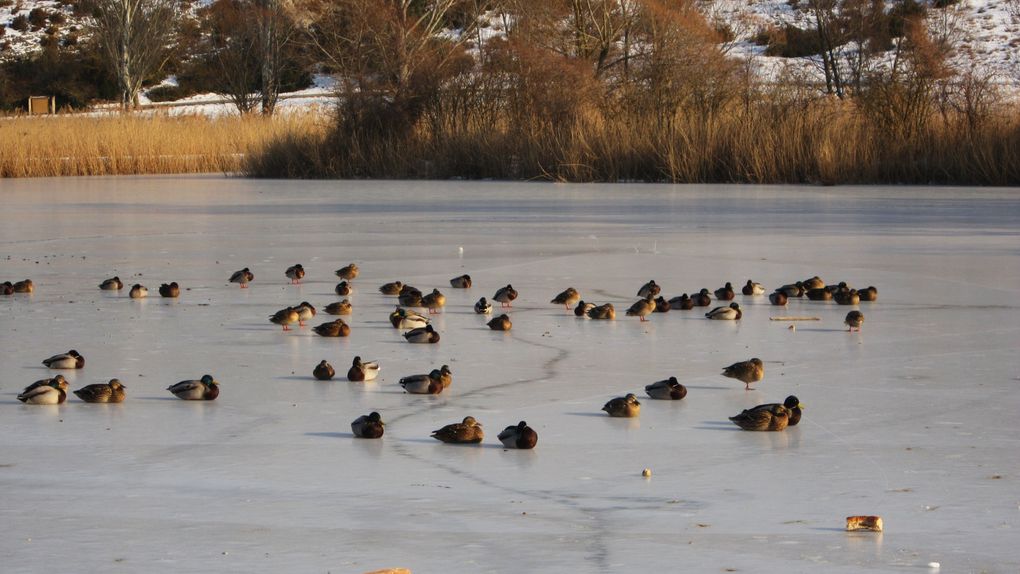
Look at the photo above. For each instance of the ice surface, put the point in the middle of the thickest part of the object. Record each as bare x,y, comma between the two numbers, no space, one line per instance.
914,419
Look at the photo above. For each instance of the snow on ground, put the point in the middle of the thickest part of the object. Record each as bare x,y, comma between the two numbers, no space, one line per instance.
913,419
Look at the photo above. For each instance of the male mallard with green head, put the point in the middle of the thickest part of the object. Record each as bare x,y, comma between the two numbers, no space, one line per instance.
45,392
774,418
730,313
112,284
519,436
424,334
669,389
204,389
68,360
368,426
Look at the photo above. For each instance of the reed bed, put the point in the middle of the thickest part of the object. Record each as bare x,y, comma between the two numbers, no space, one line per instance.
68,145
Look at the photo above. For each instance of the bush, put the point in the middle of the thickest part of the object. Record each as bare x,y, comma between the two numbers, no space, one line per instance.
20,23
6,3
901,13
789,42
37,18
57,18
166,93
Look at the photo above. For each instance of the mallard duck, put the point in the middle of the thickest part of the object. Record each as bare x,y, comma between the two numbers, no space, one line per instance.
777,298
295,273
404,319
661,305
462,282
851,297
649,288
568,297
506,296
348,273
46,392
324,371
730,313
25,286
627,406
750,371
774,418
443,374
669,389
793,408
792,289
752,288
468,431
339,308
868,294
604,312
422,384
410,298
642,308
244,277
812,283
343,289
725,293
335,328
501,323
582,308
285,317
519,436
434,301
483,307
854,319
112,284
6,288
170,290
424,334
368,426
683,303
362,370
111,392
68,360
821,294
702,298
391,288
205,389
841,286
138,291
305,311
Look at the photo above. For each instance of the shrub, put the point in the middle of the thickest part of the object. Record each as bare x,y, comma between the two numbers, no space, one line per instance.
20,23
165,93
58,18
790,42
37,18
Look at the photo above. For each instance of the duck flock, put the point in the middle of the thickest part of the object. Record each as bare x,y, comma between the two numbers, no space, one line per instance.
417,329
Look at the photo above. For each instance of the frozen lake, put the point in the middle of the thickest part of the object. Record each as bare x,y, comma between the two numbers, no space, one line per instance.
916,419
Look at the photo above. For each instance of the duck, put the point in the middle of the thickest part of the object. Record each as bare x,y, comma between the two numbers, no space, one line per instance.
868,294
854,320
410,298
424,334
793,408
434,301
461,282
335,328
404,319
171,290
392,288
69,360
702,298
362,370
25,286
348,273
469,431
244,277
604,312
649,288
204,389
6,288
683,303
725,293
368,426
812,283
661,305
626,406
305,311
339,308
285,317
669,389
506,296
518,436
483,307
841,286
851,297
324,371
821,294
46,392
138,291
422,384
774,418
752,288
582,308
750,371
112,284
642,308
501,323
568,297
730,313
111,392
443,374
295,273
343,289
778,298
792,289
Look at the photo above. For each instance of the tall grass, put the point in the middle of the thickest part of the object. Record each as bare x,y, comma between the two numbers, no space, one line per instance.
136,144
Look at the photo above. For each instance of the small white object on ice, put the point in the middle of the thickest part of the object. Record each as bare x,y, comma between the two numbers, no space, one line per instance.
646,472
934,565
460,250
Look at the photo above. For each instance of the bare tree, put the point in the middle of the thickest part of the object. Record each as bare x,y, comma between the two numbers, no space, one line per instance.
274,28
136,37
